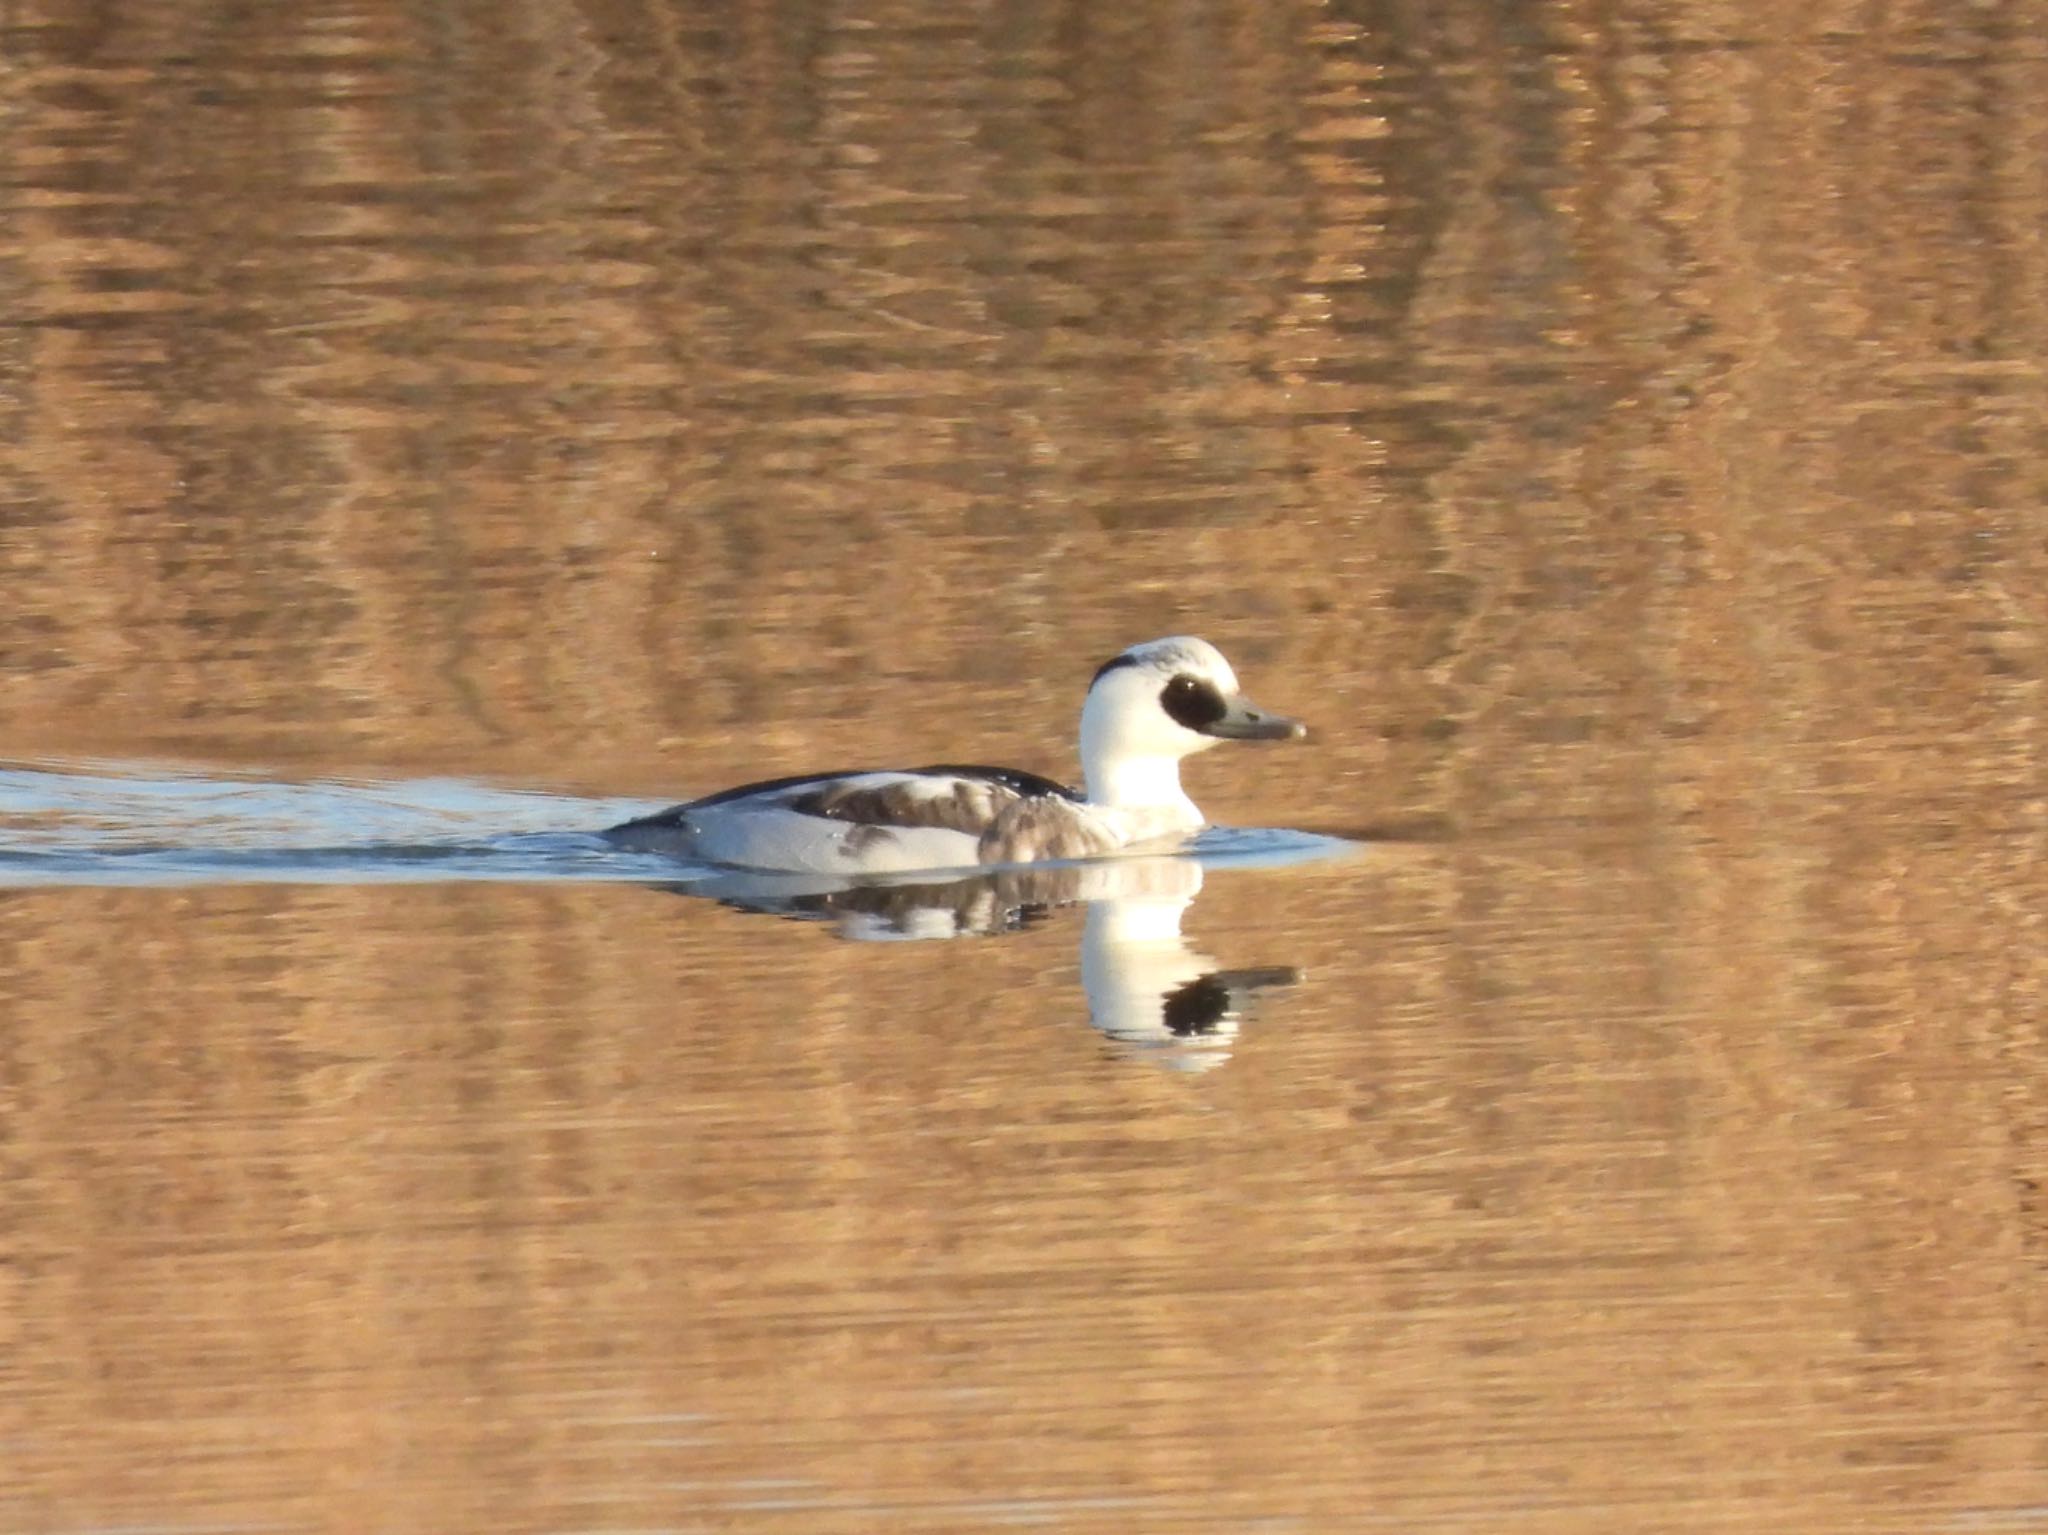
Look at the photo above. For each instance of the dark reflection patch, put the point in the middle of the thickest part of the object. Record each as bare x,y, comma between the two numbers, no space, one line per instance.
1192,702
1196,1008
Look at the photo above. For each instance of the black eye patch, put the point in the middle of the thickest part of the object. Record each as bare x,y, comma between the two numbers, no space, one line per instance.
1192,703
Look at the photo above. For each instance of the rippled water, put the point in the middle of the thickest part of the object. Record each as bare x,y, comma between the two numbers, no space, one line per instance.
433,429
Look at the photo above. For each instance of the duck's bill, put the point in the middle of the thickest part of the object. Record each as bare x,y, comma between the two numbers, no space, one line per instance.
1245,721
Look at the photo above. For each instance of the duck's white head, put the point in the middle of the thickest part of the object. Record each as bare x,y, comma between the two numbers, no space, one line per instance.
1155,704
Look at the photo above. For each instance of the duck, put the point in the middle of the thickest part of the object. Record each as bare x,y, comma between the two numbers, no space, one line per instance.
1147,708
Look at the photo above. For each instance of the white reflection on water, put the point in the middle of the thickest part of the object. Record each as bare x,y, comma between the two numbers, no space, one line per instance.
1148,988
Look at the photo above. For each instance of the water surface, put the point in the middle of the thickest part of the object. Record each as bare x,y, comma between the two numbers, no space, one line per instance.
442,426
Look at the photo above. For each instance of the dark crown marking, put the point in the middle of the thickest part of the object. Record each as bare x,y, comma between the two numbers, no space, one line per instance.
1114,663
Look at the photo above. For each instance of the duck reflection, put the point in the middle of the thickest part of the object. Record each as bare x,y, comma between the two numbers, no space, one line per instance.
1148,988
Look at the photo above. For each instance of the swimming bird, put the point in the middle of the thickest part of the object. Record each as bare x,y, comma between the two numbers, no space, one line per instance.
1146,709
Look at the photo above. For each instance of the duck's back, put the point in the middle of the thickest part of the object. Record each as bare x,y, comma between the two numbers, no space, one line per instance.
872,822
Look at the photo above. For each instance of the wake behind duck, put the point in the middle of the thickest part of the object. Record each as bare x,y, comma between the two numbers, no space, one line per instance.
1146,709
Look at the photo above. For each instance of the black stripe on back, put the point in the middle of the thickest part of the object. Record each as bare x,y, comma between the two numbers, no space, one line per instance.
770,785
1030,785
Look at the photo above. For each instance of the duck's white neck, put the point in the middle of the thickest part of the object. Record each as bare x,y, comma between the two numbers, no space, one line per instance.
1131,751
1149,784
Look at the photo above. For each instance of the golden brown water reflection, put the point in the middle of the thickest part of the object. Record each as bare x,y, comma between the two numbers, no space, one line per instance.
1617,427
